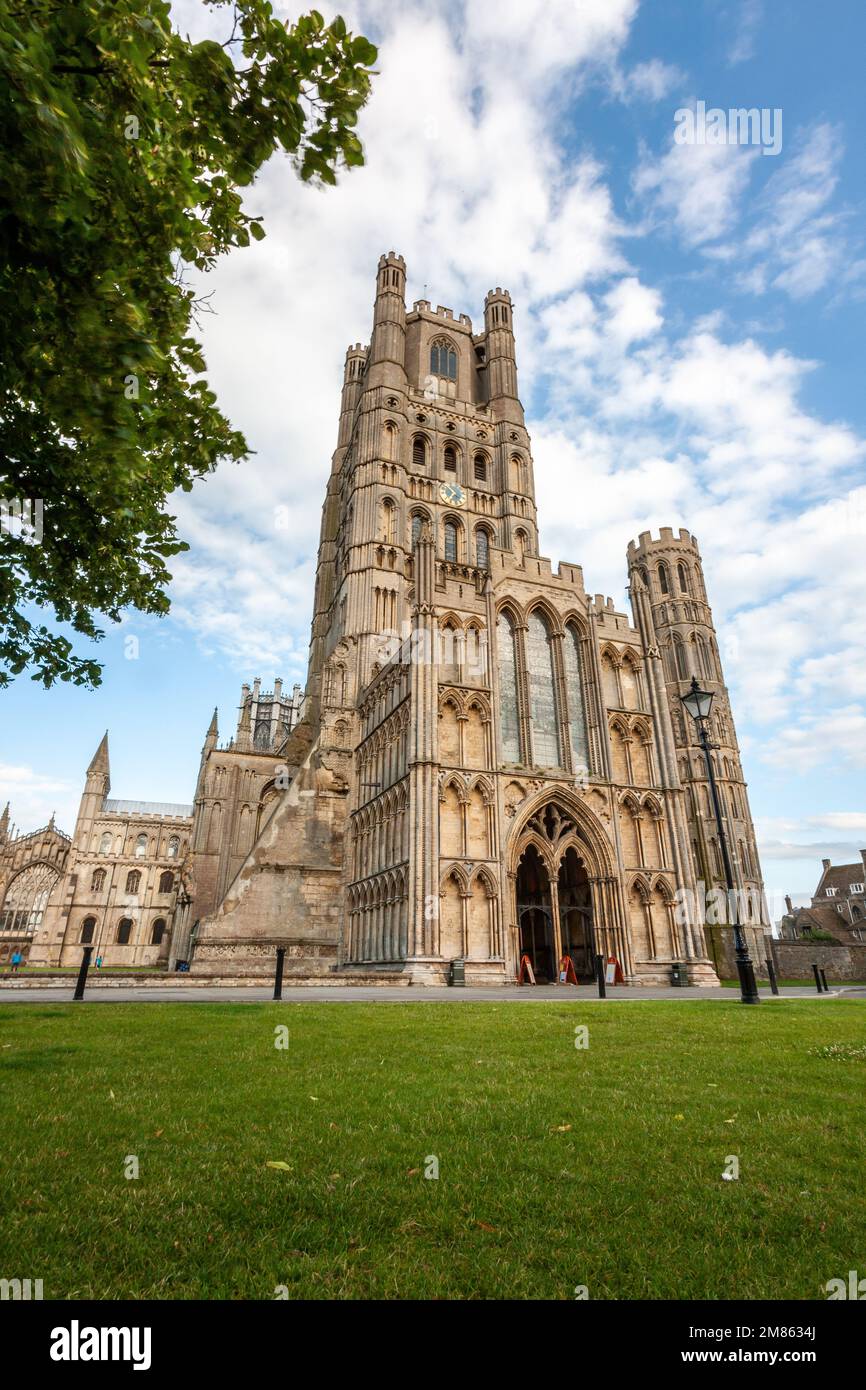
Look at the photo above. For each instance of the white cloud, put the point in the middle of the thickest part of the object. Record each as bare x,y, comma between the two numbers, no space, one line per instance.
698,187
747,21
35,797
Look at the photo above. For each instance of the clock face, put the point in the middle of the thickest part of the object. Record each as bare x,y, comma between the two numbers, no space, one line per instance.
453,494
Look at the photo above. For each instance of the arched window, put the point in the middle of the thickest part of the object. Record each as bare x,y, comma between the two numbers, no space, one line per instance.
88,927
97,883
543,714
443,360
418,519
173,846
157,932
682,667
166,881
124,931
509,718
480,468
450,459
521,545
450,541
482,548
133,879
27,898
388,522
419,451
642,571
105,843
389,441
664,584
574,695
683,576
141,847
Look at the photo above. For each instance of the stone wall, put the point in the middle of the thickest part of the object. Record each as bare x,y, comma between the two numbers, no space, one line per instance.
794,959
720,948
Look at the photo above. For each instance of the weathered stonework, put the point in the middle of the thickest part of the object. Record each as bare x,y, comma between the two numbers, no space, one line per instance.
487,762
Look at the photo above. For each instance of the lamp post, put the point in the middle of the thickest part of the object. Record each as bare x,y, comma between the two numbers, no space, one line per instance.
699,702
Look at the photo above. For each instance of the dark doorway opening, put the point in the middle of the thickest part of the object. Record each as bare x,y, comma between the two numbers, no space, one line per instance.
535,916
575,914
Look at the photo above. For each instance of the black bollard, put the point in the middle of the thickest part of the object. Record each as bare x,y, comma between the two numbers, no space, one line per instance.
278,978
599,975
771,975
817,978
824,981
82,974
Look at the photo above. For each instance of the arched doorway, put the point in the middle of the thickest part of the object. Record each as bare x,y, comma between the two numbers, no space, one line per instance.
535,915
575,913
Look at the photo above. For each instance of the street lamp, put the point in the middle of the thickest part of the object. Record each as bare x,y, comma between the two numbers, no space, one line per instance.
699,702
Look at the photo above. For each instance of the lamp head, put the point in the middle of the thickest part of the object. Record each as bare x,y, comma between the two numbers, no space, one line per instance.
698,702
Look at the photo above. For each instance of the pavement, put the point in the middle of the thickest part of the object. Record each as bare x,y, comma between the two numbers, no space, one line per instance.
360,994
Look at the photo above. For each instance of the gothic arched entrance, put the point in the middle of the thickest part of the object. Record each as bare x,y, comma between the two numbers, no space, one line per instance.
535,915
562,869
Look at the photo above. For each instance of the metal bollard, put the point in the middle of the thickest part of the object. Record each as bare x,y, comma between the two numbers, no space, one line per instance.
817,978
278,978
82,974
771,975
824,981
599,975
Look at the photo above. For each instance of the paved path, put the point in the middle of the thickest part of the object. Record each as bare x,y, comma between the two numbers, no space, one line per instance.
360,994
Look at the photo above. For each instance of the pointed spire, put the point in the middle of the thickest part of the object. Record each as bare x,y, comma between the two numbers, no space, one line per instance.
213,727
99,761
51,822
4,823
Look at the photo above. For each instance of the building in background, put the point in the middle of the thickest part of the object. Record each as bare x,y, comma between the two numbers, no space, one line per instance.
838,905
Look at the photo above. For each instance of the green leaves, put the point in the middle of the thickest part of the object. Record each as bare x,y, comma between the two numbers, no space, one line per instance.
124,152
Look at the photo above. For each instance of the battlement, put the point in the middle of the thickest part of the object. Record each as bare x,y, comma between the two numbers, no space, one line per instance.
498,293
391,258
423,308
666,539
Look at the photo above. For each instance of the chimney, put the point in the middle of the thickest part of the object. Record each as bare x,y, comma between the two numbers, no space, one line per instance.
863,857
826,864
789,905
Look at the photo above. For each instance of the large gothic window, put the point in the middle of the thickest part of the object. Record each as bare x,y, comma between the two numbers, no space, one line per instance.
443,361
509,717
574,694
543,721
27,898
133,879
450,541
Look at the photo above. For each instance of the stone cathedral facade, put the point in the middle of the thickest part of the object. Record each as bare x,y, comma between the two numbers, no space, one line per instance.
487,762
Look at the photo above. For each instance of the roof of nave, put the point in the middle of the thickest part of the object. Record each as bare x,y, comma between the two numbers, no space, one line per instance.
173,810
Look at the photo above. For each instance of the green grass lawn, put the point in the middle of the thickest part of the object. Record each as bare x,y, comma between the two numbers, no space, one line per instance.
558,1166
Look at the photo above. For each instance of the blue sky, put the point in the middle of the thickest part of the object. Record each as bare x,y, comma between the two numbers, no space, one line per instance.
690,346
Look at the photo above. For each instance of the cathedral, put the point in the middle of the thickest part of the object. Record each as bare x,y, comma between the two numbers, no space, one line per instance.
488,765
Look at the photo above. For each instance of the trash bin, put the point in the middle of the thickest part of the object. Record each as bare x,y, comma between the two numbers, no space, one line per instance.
458,973
678,974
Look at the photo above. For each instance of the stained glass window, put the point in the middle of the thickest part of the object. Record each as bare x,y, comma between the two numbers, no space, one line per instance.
508,712
543,718
574,689
450,541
